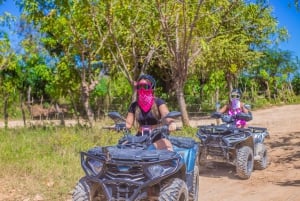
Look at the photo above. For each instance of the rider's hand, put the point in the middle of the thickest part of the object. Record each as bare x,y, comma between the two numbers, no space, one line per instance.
172,126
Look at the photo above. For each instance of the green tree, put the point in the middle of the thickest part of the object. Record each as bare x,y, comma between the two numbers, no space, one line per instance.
210,35
274,73
8,76
74,34
174,38
35,73
296,84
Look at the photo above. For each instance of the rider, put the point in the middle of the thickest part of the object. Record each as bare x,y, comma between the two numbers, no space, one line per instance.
235,106
147,110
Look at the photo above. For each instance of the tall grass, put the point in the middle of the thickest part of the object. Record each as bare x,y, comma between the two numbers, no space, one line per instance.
45,161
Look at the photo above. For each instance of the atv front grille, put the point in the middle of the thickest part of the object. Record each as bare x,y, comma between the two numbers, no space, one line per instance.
122,181
215,151
124,172
214,141
121,191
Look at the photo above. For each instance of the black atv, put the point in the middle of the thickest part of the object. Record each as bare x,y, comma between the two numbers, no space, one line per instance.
242,147
135,170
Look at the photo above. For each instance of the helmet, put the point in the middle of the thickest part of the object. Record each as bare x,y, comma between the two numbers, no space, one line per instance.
236,93
148,77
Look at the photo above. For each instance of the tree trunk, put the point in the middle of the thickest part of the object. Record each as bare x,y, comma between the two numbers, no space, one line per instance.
60,114
29,101
218,121
23,109
268,90
182,106
85,97
74,106
229,82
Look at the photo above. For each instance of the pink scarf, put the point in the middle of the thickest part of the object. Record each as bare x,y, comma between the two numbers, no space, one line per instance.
145,99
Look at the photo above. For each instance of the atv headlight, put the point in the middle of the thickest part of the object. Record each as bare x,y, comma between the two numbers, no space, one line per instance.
159,170
94,167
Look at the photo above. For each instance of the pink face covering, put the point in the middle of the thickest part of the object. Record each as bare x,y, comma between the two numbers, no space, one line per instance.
235,103
145,99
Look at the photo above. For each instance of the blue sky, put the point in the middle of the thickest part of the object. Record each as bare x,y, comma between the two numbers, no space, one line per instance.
287,17
9,6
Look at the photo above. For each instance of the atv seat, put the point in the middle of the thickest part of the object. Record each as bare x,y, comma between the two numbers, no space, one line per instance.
136,139
132,139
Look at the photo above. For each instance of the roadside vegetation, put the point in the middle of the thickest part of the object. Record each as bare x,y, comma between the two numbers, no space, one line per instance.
44,161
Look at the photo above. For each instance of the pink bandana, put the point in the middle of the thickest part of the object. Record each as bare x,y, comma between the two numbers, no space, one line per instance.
145,99
235,103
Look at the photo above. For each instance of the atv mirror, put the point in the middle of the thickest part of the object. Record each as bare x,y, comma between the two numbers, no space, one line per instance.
173,114
116,116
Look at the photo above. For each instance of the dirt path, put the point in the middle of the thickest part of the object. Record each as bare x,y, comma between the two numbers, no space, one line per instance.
280,181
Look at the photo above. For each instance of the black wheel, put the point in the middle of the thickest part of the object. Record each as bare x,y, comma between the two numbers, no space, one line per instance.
201,161
84,191
244,163
193,194
174,190
262,161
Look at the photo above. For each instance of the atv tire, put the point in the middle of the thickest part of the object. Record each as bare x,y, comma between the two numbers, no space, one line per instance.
174,190
193,194
84,192
261,152
244,162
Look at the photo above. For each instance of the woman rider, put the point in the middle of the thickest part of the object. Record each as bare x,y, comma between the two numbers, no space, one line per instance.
147,110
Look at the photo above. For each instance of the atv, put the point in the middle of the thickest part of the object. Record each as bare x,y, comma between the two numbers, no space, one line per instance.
135,170
242,147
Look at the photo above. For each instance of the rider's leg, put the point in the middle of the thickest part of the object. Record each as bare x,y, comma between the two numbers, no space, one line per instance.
163,144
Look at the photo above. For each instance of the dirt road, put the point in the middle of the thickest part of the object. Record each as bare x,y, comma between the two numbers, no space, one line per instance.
280,181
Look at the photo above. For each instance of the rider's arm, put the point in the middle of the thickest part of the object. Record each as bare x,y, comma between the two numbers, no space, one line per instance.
163,109
129,120
223,109
130,115
244,109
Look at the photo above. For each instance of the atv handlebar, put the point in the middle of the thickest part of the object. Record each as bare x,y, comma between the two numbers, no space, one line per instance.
231,118
117,127
147,137
134,141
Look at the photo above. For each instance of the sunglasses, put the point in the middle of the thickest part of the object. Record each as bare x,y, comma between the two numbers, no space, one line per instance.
235,96
144,86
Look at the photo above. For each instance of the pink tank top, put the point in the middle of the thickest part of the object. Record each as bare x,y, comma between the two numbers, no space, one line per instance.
238,123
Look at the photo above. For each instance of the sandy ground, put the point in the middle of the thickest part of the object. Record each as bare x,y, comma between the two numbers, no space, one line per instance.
279,182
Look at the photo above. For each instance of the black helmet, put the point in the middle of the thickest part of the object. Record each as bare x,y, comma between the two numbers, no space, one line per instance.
236,93
148,77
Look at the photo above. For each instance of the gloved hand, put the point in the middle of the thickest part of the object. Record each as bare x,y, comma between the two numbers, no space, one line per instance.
120,127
